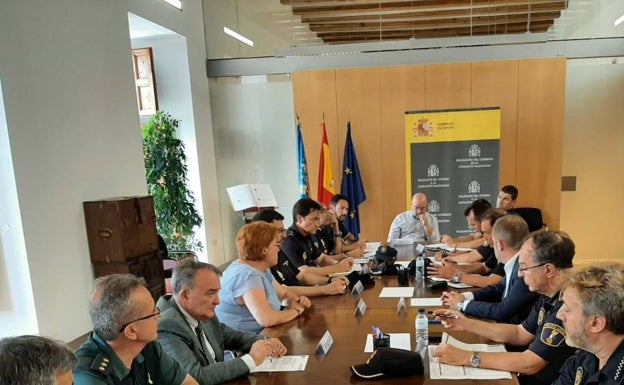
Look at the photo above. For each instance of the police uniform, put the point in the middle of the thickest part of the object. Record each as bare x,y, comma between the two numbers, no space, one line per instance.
98,364
283,271
490,261
327,239
301,250
582,369
549,342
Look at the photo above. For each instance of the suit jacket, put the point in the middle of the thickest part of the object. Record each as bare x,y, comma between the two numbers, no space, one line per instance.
179,340
489,303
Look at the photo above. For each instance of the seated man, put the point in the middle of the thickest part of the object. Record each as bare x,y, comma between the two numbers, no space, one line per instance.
34,360
122,349
593,317
191,334
339,209
303,249
416,224
544,259
474,215
489,272
507,197
298,281
330,235
510,300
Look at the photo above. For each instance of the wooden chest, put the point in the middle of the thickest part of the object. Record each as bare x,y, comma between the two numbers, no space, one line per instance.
119,229
148,266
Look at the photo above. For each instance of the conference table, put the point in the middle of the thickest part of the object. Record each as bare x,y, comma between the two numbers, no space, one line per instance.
349,331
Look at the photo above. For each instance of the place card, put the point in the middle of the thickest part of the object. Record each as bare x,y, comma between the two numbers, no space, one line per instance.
360,307
358,288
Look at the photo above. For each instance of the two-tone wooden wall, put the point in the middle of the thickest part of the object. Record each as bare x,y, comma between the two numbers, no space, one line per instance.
530,93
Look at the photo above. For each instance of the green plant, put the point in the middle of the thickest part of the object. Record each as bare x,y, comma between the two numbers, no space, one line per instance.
165,168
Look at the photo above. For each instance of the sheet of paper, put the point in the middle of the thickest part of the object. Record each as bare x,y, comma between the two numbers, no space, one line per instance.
449,339
420,302
438,371
403,241
397,340
361,261
442,246
395,292
283,364
459,285
372,246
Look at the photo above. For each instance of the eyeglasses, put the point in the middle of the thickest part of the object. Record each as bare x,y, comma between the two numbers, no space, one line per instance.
532,267
154,314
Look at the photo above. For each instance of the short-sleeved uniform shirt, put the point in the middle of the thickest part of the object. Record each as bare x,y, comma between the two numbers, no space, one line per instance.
283,271
327,239
582,369
549,342
98,364
301,250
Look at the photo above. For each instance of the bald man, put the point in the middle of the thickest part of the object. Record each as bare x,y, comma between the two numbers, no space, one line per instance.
416,224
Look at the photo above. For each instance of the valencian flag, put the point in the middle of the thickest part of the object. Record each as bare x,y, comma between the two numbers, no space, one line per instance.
326,179
302,166
352,186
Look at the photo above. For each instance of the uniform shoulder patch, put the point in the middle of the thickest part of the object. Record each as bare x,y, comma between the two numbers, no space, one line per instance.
552,334
579,376
101,363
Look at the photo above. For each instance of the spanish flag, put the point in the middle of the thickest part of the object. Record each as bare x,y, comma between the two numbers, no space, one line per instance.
326,179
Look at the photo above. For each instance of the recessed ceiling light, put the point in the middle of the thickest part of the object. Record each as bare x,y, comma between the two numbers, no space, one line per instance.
175,3
238,36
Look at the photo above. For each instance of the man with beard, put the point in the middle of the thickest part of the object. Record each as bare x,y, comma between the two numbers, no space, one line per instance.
593,317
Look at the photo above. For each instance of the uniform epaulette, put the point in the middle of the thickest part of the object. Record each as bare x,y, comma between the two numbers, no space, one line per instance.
101,363
618,372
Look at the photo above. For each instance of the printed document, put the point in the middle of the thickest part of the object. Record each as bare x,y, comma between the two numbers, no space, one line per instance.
282,364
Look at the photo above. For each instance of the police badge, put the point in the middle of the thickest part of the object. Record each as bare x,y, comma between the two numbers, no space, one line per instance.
579,376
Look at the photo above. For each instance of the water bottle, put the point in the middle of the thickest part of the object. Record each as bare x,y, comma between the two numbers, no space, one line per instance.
422,333
419,278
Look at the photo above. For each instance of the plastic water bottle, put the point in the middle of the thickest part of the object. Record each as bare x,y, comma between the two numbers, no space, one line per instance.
419,279
422,333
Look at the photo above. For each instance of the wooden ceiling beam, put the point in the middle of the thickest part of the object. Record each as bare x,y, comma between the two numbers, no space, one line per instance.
428,15
358,7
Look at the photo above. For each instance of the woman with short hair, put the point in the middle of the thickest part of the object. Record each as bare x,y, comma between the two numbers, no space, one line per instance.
250,297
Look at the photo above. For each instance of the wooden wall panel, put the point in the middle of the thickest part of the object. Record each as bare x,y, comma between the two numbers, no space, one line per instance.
541,103
402,89
447,86
315,95
493,85
358,100
530,92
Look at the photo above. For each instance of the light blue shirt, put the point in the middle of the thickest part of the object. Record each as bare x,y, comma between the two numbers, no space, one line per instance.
237,280
407,226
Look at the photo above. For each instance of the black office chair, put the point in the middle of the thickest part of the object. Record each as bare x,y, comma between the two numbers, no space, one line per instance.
532,216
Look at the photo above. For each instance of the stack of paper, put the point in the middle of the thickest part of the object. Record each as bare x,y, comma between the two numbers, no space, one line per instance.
439,371
445,247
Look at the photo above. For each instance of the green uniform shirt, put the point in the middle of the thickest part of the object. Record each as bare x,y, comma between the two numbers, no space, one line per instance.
98,364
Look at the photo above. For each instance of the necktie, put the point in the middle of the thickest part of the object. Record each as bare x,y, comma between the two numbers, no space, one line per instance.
202,345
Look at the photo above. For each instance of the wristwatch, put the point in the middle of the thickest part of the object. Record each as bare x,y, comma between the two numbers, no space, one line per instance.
475,360
457,277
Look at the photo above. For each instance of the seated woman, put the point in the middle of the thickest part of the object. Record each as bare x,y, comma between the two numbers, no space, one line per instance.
250,297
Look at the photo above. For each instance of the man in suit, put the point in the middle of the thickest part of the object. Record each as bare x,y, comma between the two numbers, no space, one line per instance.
544,260
510,300
593,317
190,332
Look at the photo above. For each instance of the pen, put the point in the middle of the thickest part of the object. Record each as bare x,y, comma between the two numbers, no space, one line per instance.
452,316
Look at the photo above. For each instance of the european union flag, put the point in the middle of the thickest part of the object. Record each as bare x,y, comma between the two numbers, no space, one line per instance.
302,166
352,186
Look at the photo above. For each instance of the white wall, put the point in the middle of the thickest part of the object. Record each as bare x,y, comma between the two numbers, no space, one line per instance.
71,118
73,129
255,143
17,303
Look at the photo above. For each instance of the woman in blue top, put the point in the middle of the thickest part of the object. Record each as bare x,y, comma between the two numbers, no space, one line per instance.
250,297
